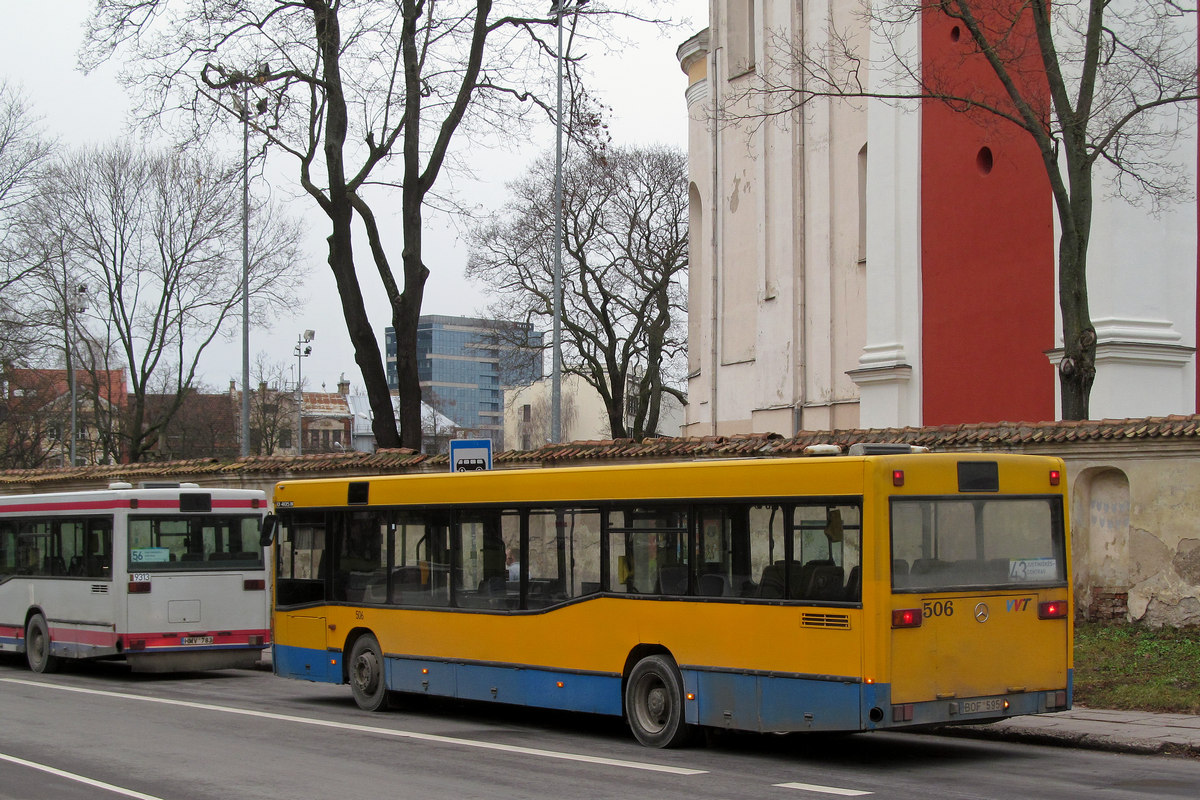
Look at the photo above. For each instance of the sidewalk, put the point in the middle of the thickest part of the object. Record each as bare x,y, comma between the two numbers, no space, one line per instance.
1096,729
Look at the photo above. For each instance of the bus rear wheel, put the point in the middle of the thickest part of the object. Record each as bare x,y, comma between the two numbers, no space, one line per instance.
365,668
654,703
37,646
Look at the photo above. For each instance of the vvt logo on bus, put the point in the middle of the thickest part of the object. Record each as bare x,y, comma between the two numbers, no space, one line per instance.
1019,604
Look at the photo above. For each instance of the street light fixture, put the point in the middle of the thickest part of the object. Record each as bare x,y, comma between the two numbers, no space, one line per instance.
303,350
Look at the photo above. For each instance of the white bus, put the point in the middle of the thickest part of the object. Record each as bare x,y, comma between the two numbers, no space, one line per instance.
169,578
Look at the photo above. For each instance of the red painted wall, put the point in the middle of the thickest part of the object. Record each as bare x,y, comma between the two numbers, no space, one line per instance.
987,248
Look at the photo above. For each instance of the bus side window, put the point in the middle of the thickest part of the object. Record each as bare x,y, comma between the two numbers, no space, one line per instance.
361,573
98,555
648,548
8,549
764,546
300,555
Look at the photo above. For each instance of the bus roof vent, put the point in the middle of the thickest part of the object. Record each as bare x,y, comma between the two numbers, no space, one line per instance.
822,450
120,485
158,485
884,448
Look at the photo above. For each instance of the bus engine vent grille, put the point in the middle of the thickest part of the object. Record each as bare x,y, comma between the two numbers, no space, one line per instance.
839,621
99,588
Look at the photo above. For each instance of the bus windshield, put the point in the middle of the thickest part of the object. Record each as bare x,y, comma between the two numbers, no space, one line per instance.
946,543
174,542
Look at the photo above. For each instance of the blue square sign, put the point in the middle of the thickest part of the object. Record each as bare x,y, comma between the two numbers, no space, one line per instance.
469,455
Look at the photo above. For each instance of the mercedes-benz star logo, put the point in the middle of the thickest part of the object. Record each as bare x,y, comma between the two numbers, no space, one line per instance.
981,612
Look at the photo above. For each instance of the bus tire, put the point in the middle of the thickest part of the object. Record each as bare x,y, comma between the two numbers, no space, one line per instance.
37,646
366,674
654,703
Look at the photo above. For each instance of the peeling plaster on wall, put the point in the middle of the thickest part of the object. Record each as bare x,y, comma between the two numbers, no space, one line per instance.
1148,556
1187,561
1137,529
1186,612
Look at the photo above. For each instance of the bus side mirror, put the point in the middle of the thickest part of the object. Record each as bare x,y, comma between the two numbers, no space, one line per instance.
267,535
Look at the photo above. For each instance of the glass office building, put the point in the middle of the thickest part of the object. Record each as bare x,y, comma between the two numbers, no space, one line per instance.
464,365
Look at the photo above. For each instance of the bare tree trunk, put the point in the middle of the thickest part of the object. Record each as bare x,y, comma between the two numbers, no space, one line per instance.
341,214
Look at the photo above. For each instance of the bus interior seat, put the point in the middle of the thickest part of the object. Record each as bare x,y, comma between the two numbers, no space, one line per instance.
496,586
714,585
824,583
192,557
800,582
245,555
854,584
771,584
672,580
924,566
55,565
773,577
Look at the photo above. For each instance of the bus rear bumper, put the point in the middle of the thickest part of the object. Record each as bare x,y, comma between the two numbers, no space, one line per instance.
972,710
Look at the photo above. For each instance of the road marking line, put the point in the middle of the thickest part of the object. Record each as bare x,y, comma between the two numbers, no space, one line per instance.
809,787
347,726
71,776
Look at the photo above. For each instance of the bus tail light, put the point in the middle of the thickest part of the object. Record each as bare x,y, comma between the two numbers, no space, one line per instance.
902,713
1055,477
1052,609
139,587
897,477
254,584
906,618
256,640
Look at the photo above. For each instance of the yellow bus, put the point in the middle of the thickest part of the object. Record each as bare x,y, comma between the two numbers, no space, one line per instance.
854,592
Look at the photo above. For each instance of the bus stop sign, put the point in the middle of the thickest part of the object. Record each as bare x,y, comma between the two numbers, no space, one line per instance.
467,455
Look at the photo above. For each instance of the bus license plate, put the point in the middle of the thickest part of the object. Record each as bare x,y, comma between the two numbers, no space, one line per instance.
980,706
197,640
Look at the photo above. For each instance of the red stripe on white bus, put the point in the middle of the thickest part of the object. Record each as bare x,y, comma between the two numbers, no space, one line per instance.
154,641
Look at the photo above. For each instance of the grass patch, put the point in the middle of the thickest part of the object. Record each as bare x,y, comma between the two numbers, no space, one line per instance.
1137,668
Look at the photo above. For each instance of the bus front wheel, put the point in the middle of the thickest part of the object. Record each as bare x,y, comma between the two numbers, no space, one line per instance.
654,703
37,646
365,668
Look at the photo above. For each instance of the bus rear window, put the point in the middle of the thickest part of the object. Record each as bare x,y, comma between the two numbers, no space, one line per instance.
948,543
194,542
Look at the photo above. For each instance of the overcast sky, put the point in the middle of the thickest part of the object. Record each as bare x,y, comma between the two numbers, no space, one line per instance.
644,86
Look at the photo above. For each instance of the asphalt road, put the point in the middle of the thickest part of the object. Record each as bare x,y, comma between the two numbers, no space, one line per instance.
98,731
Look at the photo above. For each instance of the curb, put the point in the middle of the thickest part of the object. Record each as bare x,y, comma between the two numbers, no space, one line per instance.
1056,736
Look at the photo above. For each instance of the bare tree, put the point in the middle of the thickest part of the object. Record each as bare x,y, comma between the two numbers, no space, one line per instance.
1101,87
348,87
272,409
625,238
24,152
156,240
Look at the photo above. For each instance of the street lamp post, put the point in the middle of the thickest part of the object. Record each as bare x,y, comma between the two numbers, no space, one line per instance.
260,108
303,351
76,305
246,270
559,9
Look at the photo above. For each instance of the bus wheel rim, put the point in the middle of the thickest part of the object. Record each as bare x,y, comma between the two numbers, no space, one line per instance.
366,672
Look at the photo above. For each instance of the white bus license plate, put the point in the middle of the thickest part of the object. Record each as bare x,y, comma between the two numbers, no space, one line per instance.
980,706
197,640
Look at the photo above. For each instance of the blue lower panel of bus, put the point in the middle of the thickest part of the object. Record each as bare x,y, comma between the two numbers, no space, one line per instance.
307,664
596,693
569,691
764,702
